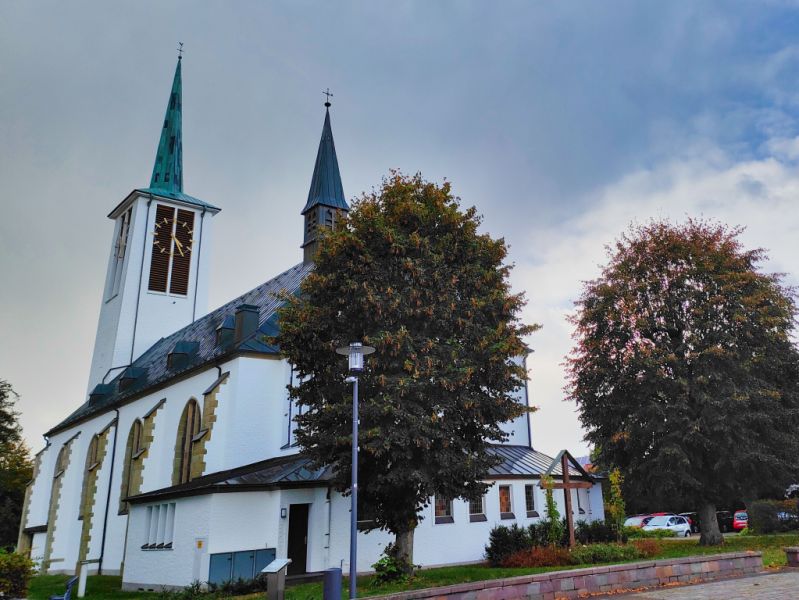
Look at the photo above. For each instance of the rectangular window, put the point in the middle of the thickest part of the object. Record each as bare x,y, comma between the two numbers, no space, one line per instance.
443,511
160,527
477,510
120,250
505,504
529,500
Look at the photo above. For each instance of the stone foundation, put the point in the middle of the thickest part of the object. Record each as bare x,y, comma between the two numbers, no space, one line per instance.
583,583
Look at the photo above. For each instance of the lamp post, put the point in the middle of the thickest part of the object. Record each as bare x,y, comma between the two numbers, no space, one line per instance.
355,351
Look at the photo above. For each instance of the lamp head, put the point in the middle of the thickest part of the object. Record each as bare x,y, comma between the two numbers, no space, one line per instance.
355,352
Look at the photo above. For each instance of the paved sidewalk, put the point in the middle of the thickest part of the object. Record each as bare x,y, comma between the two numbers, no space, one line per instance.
776,586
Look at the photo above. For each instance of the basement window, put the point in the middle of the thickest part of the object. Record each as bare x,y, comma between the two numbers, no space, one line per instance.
160,527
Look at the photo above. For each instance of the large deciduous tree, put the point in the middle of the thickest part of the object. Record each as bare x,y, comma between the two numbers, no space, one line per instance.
407,272
684,371
15,467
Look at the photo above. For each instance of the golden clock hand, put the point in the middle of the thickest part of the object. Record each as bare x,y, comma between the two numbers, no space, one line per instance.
178,245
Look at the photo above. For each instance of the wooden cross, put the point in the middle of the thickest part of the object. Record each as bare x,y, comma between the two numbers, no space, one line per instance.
567,486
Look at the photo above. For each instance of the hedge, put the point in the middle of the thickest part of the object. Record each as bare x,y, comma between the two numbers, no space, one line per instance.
15,574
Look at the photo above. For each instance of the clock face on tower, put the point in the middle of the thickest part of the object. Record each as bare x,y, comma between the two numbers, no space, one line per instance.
173,240
178,236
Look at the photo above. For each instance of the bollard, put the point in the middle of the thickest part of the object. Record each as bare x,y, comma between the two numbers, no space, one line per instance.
331,589
84,571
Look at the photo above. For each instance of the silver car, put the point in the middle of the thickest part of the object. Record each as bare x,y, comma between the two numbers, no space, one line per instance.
679,525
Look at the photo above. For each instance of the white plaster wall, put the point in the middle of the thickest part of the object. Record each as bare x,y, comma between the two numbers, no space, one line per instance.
458,542
518,429
153,569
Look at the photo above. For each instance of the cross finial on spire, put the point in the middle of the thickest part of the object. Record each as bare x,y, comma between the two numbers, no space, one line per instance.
328,96
180,51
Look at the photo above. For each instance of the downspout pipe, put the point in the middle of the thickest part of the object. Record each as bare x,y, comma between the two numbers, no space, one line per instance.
108,495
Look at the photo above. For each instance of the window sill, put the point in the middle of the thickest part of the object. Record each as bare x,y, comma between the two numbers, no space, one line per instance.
479,518
507,516
444,520
532,514
157,547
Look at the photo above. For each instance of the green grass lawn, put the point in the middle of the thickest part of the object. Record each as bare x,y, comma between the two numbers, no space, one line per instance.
107,587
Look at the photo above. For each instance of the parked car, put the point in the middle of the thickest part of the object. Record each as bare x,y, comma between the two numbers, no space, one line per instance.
740,520
638,520
693,520
679,525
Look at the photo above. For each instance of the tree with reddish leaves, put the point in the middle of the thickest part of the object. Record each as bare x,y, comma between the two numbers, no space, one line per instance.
684,371
407,272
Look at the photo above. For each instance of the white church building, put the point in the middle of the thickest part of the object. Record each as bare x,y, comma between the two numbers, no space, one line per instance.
181,465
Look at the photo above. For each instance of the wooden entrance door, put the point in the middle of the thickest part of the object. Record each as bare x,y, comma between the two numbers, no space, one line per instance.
298,538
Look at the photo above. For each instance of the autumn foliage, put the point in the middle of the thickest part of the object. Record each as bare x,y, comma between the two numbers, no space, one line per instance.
684,371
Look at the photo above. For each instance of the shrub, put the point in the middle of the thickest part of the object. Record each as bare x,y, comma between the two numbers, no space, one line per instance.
602,553
504,541
595,532
391,567
745,531
15,574
540,556
636,533
764,516
647,548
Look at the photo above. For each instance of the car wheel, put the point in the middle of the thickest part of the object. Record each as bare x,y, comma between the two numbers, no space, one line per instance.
687,533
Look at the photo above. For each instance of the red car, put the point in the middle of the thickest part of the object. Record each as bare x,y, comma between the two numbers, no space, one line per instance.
740,520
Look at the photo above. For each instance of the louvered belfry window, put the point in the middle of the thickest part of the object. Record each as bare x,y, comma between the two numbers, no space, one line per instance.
181,255
172,243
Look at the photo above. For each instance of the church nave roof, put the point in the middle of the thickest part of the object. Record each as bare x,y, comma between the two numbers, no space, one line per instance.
197,344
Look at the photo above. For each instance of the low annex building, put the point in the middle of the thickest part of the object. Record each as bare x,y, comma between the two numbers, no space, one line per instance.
182,464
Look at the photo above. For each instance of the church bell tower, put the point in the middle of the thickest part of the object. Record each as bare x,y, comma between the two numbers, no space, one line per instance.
157,276
326,200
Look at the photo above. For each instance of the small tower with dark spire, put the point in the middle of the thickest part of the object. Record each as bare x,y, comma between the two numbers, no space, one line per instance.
326,199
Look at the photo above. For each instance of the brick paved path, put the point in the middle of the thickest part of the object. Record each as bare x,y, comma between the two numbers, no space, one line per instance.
777,586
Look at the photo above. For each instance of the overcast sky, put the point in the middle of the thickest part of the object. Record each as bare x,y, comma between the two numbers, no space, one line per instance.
561,122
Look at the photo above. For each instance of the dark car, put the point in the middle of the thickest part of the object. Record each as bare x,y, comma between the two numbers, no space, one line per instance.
725,520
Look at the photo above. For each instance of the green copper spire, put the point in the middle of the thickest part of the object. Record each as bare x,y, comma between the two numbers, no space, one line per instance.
168,169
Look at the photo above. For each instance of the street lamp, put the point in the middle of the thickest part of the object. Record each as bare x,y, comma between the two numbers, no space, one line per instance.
355,351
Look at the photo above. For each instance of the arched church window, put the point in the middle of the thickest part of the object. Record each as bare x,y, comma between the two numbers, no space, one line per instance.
92,463
188,428
132,467
61,462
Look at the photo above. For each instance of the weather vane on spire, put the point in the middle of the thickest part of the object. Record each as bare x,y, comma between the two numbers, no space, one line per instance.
329,96
180,51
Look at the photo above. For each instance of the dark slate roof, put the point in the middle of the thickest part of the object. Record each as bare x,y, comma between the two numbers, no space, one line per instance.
326,185
284,471
523,461
200,336
296,471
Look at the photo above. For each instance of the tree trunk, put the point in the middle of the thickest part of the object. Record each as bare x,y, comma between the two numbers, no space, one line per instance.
709,526
404,543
